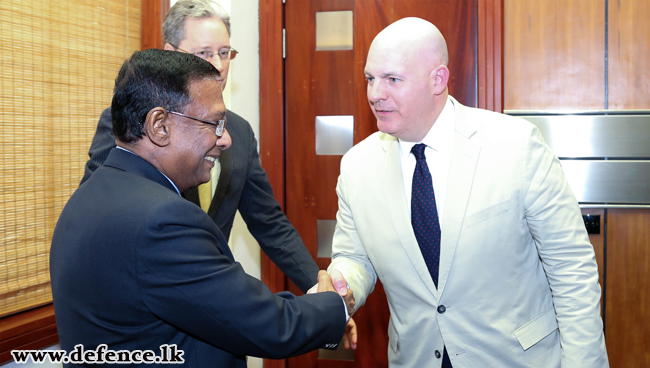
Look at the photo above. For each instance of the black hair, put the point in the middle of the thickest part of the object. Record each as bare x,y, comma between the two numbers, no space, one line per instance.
153,78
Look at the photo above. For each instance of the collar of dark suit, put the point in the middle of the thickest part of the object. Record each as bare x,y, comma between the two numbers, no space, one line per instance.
130,162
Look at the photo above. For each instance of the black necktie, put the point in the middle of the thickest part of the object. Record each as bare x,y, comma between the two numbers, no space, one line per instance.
424,214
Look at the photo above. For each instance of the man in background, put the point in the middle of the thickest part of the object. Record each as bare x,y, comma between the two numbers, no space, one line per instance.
238,182
466,218
137,267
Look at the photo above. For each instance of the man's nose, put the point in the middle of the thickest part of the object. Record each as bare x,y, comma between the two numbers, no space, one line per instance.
224,142
376,92
217,62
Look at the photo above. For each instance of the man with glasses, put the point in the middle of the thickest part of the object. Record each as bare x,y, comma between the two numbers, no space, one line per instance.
202,28
137,269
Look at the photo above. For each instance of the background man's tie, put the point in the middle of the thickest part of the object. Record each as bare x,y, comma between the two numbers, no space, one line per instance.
424,214
205,195
205,190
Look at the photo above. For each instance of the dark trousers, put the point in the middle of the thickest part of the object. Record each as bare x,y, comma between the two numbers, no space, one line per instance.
446,363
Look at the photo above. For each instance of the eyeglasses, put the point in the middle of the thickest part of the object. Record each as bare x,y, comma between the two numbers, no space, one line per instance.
220,125
224,54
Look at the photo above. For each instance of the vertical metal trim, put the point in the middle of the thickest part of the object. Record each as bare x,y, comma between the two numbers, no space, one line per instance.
325,233
284,43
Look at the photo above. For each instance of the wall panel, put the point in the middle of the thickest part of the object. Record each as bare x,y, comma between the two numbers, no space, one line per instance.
554,54
629,54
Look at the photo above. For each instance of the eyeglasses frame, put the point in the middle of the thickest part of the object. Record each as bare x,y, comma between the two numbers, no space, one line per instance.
231,55
220,126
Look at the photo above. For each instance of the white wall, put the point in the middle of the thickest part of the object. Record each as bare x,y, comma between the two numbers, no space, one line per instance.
244,90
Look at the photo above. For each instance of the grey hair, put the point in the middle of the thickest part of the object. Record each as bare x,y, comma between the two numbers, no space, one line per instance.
174,26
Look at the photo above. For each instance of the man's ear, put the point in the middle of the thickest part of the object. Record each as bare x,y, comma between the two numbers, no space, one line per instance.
168,47
439,78
156,127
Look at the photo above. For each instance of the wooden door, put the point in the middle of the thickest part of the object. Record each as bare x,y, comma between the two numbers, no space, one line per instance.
326,83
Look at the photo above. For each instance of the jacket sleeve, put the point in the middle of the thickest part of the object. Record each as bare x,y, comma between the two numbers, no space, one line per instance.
270,226
348,253
187,280
568,258
103,142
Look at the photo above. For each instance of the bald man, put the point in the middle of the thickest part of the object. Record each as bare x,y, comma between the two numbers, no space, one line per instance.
466,218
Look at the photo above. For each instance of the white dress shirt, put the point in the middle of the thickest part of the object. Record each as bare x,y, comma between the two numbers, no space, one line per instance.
439,142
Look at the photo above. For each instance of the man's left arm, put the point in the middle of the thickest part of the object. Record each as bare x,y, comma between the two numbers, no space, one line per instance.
102,144
568,258
270,226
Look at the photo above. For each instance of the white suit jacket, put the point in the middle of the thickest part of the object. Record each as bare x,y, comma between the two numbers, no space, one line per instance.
518,278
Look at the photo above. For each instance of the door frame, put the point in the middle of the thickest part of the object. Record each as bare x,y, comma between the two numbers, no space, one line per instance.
272,132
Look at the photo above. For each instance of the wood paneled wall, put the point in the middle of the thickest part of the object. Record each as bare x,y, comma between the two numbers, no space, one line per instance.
490,55
576,54
627,315
629,54
554,54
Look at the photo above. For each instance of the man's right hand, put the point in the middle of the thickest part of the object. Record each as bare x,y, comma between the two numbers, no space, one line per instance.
350,335
334,281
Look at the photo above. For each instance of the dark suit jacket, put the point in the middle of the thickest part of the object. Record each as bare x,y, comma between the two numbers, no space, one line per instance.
135,266
242,185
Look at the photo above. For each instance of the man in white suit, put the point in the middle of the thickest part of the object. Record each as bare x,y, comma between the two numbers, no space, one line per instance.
517,281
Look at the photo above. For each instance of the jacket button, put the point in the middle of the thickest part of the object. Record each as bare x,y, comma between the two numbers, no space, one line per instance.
442,309
437,354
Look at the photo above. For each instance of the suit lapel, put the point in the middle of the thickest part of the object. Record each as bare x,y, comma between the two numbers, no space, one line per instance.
464,156
389,172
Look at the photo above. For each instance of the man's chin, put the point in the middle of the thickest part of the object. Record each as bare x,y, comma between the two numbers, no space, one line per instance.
206,179
385,127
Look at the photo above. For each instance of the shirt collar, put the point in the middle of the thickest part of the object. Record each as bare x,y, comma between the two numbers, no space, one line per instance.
440,136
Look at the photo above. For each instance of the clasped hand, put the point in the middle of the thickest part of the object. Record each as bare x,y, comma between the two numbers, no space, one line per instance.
334,281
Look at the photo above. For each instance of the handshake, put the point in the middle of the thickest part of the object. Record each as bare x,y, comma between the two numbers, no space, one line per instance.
334,281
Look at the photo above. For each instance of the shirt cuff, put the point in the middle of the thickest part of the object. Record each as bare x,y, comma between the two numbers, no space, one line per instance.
347,315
